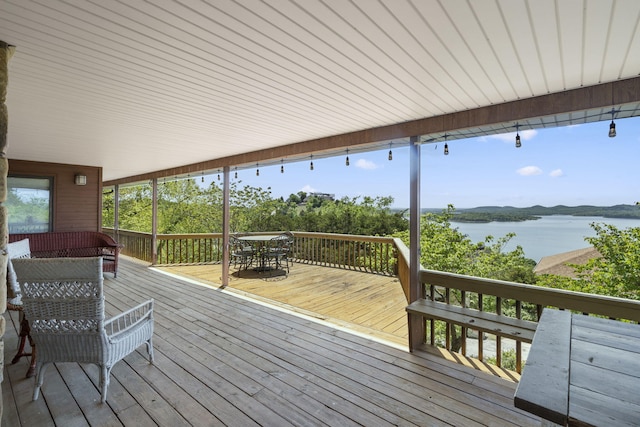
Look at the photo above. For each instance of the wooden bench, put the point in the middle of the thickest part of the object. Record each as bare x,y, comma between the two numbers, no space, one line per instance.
491,323
73,244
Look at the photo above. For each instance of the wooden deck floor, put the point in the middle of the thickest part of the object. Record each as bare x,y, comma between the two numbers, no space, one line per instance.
222,359
367,303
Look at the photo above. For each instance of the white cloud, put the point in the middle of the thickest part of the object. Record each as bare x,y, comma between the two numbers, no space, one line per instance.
556,173
366,164
529,171
525,135
308,189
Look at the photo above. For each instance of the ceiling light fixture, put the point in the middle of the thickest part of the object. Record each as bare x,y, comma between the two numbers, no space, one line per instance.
518,142
257,170
311,164
390,152
612,126
446,146
236,174
281,165
346,162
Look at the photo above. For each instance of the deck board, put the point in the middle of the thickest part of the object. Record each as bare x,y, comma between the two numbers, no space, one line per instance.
225,359
371,303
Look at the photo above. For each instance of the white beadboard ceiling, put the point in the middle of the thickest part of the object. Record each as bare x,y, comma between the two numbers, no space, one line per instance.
138,86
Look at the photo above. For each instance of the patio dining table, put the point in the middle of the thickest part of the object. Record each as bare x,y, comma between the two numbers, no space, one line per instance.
259,242
582,371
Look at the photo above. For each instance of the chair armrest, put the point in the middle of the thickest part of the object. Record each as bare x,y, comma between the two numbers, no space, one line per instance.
117,326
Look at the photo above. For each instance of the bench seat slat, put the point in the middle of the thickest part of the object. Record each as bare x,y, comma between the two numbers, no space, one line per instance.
492,323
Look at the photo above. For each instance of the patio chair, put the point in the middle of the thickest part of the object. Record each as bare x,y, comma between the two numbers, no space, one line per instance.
278,251
64,303
240,254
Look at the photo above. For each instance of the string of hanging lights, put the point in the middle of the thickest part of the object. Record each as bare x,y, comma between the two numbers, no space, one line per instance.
614,113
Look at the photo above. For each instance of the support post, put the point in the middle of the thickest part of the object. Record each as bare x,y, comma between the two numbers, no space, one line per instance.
116,212
154,221
226,217
416,324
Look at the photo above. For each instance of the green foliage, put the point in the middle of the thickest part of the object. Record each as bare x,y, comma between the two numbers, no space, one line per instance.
371,217
444,248
184,207
616,273
508,359
490,216
27,209
495,212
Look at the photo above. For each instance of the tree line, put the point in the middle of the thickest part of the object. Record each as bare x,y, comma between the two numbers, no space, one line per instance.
185,207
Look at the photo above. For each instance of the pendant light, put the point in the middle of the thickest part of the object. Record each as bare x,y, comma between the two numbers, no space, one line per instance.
612,126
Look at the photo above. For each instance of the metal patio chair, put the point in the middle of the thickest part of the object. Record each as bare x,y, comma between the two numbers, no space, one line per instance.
241,254
278,251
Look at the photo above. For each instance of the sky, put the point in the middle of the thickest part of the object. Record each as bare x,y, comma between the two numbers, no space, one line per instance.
572,165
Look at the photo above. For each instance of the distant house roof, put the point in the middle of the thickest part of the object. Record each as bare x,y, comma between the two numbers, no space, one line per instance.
557,264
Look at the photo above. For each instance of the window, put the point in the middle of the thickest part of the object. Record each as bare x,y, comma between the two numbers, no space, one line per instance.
29,204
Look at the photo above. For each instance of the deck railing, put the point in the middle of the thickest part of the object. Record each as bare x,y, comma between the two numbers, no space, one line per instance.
507,299
369,254
389,256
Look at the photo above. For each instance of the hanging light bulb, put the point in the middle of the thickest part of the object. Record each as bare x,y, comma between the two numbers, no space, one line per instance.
282,166
202,180
346,162
446,146
311,164
518,142
390,153
257,170
218,175
235,175
612,126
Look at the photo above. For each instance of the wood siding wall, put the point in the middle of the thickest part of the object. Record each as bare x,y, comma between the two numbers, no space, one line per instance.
75,207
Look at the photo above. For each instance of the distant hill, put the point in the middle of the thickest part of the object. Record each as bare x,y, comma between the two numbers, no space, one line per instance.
510,213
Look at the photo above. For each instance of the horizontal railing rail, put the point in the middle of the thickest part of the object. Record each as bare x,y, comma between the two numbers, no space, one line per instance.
519,301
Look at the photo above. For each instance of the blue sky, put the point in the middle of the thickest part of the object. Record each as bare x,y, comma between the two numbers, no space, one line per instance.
571,165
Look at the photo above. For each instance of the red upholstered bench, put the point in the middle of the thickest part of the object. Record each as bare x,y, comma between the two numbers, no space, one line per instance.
73,244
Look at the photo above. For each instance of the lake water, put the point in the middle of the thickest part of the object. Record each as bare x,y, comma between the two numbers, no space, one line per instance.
546,236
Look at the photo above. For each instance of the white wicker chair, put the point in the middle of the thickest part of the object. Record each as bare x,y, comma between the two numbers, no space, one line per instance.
64,303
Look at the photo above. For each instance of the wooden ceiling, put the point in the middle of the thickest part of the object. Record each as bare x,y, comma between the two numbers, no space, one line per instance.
171,86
